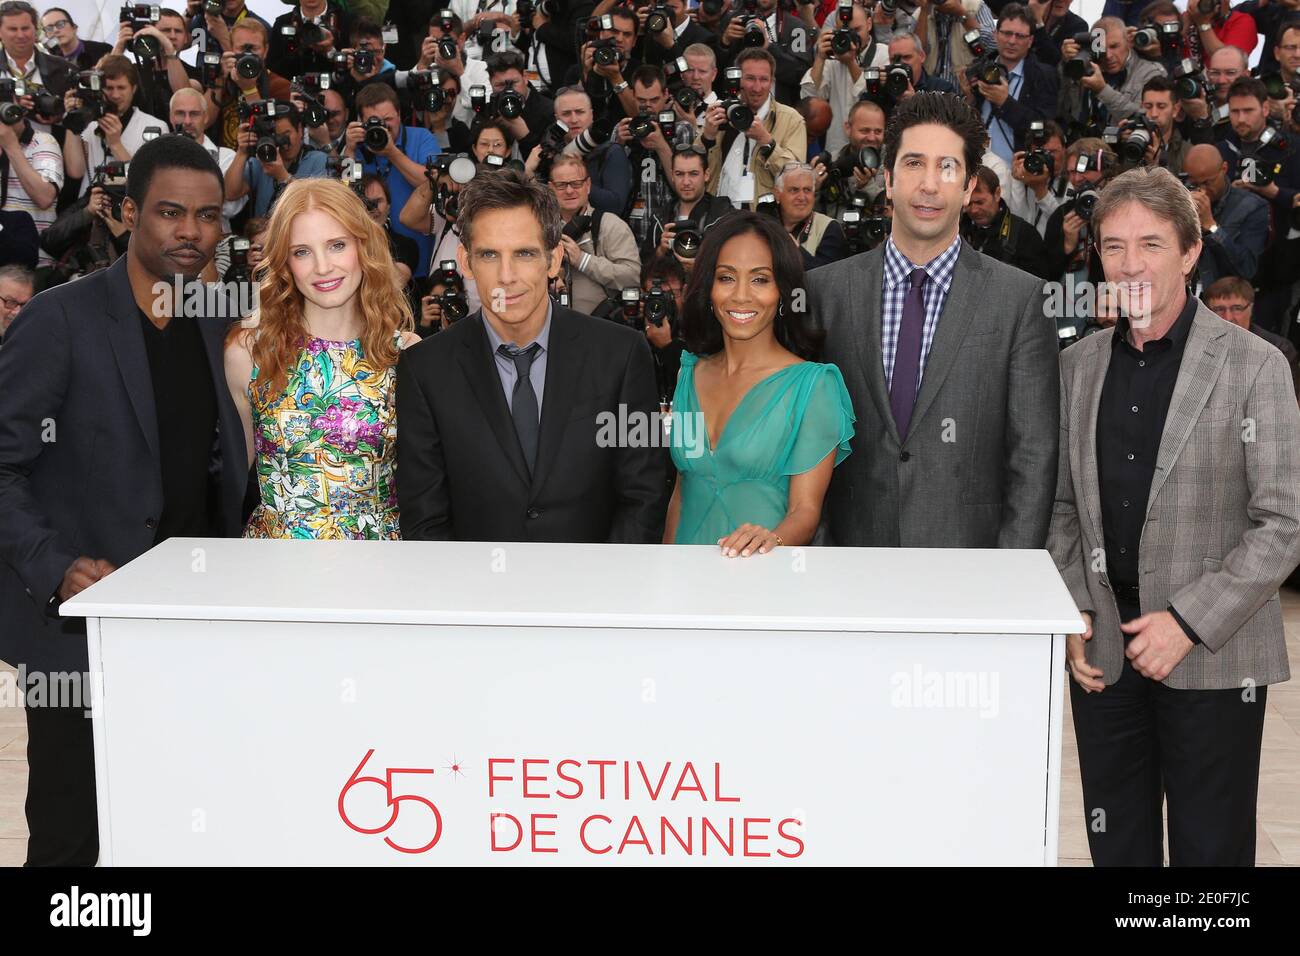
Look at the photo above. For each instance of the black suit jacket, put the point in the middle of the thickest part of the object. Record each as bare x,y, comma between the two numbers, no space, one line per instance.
1038,94
694,33
79,466
58,75
462,474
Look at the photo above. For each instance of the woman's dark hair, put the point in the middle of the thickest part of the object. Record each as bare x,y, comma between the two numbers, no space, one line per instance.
499,125
794,327
937,109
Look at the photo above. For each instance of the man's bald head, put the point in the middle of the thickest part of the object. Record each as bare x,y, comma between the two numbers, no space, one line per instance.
1206,169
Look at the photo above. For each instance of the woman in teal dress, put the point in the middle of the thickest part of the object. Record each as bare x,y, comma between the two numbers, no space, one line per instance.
757,426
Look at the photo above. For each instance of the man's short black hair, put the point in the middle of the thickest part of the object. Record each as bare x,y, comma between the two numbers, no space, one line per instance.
937,109
1160,84
1014,11
170,151
1249,86
505,61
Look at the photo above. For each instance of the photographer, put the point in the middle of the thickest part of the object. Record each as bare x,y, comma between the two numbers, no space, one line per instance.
1015,89
700,75
660,275
600,252
552,52
991,228
856,169
1223,68
1068,236
365,60
442,35
690,174
943,26
1109,92
1288,71
1217,28
649,151
316,26
24,60
451,135
397,153
788,38
1234,222
1034,196
506,72
1233,299
1270,16
1160,105
1167,49
264,177
669,44
837,77
155,48
121,131
31,175
1259,158
606,82
820,238
406,254
215,31
743,163
248,39
1053,23
607,162
60,28
906,48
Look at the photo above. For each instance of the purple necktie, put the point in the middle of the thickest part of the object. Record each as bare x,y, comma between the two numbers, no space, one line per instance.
907,356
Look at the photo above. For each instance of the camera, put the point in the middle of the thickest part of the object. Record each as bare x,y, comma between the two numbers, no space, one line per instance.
238,271
1085,200
658,20
668,126
452,301
376,136
629,303
509,103
604,52
146,48
1206,7
1131,138
315,83
873,88
577,227
739,116
987,69
1037,160
210,70
11,114
598,25
309,32
1091,46
248,66
640,126
314,114
893,6
480,101
898,77
262,109
686,237
843,39
1147,34
864,229
428,84
553,138
1188,84
363,61
975,43
658,304
110,176
45,103
91,105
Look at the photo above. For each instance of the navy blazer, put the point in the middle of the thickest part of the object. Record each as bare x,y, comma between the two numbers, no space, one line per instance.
80,472
1037,100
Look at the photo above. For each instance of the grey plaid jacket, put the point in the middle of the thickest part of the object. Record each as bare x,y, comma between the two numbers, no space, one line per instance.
1223,514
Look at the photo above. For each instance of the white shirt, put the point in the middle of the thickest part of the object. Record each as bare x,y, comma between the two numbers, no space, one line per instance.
231,207
132,139
29,74
841,92
736,181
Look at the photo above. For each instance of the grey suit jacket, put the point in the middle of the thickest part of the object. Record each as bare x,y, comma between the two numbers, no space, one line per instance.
977,467
1223,513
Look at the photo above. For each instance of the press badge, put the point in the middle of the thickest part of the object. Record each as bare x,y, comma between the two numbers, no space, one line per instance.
638,210
745,191
390,34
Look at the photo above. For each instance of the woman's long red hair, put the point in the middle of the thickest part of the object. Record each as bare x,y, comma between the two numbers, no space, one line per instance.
281,331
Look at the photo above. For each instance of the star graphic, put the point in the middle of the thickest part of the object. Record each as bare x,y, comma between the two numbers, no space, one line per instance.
456,767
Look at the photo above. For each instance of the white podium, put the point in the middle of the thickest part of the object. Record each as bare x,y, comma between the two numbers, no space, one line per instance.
411,703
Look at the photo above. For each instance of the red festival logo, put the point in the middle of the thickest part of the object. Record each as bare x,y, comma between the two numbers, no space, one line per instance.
394,800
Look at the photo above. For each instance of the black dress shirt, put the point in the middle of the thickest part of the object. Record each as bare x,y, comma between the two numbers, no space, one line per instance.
1134,404
186,404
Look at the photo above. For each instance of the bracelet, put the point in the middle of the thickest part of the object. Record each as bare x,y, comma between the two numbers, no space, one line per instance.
778,539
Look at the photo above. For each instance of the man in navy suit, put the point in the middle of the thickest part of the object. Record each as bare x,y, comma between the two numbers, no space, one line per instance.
1025,91
502,414
116,431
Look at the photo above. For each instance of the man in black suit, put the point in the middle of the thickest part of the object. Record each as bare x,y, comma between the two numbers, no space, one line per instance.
505,416
116,431
665,46
24,60
60,29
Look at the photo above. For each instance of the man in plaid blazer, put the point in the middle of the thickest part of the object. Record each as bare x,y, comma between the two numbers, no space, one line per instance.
1177,517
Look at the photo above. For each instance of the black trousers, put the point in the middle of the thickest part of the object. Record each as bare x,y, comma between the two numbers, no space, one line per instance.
1142,743
61,817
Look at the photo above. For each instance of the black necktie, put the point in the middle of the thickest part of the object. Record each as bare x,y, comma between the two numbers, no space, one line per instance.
523,400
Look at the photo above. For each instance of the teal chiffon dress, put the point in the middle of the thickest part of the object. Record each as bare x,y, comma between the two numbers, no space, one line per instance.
785,425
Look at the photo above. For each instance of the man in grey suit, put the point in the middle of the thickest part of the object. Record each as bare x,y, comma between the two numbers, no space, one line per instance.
1177,517
948,357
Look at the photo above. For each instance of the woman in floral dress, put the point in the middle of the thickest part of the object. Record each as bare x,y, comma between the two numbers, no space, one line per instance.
313,371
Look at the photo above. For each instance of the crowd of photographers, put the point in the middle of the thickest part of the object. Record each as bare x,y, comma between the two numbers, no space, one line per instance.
650,122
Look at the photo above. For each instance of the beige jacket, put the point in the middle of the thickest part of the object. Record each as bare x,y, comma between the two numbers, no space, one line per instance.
790,145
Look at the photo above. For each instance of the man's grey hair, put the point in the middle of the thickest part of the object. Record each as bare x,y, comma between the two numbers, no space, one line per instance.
1156,189
1241,56
701,49
18,273
508,189
916,40
183,92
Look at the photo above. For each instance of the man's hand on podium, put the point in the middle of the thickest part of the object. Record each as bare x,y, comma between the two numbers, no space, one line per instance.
1084,674
81,574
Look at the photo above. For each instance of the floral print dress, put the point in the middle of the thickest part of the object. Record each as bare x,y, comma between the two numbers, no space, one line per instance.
326,448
